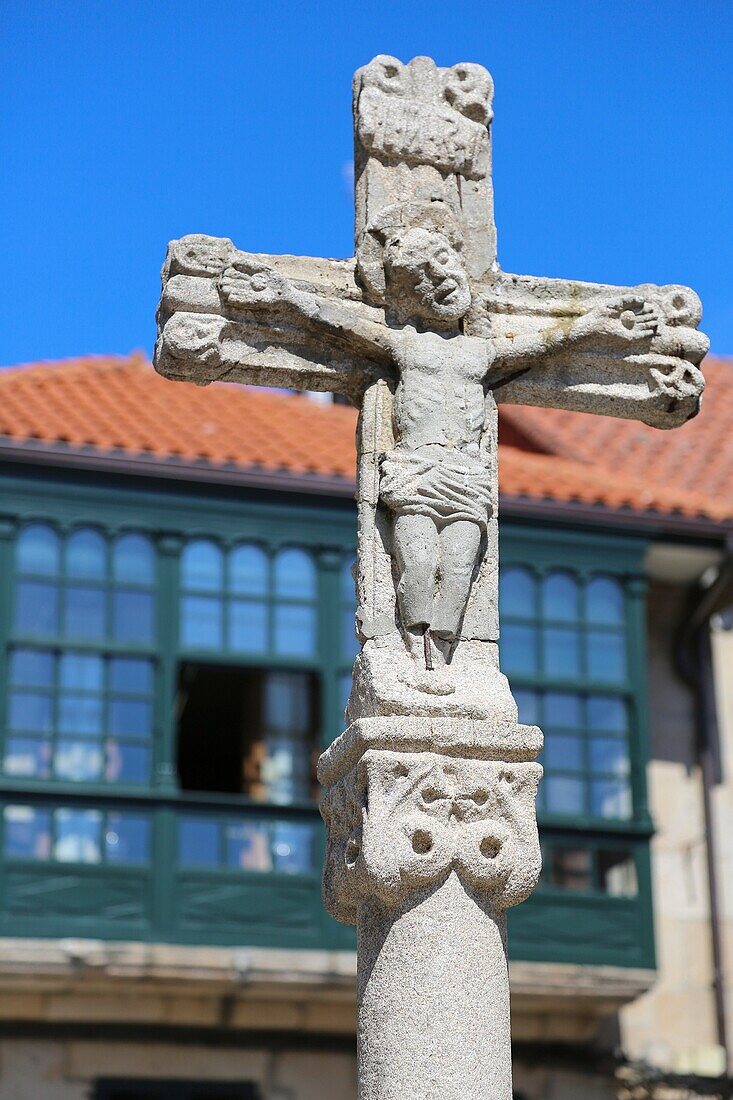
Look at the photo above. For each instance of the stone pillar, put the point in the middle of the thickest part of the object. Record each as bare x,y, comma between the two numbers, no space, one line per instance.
426,850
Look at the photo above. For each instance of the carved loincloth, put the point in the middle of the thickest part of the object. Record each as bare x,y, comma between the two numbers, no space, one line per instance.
448,487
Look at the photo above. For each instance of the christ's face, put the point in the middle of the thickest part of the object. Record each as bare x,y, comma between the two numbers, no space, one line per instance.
425,276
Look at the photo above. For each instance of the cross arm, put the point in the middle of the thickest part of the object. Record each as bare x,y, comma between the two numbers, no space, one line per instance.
561,344
211,325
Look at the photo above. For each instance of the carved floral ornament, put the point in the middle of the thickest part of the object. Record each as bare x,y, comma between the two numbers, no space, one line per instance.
400,823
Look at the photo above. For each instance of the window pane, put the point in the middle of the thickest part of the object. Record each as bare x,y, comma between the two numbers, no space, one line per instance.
80,714
126,763
527,703
31,668
562,709
295,630
85,612
36,607
248,626
561,652
248,571
604,602
295,575
133,616
78,761
517,588
617,873
83,671
292,847
127,838
202,566
198,842
560,597
201,624
563,753
133,559
248,846
607,713
27,832
518,649
130,716
30,712
349,641
609,755
564,795
610,799
27,756
78,836
131,676
86,554
606,656
571,868
37,550
287,702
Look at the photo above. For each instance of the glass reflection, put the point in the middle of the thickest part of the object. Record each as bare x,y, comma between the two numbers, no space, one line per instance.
127,838
561,652
36,608
37,550
78,836
606,656
27,832
198,842
295,575
248,571
560,597
133,559
248,626
517,592
202,566
295,630
86,554
604,602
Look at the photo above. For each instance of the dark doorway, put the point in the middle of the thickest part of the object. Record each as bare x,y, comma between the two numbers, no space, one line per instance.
139,1089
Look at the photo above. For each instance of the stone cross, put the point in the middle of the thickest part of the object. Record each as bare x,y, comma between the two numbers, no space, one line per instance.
430,790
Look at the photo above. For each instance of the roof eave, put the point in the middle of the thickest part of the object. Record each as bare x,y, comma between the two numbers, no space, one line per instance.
182,469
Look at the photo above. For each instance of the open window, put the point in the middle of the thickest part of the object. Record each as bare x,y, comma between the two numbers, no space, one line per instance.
247,731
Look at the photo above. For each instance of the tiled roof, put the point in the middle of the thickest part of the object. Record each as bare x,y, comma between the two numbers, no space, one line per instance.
111,405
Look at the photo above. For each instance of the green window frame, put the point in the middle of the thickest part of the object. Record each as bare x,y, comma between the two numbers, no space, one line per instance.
564,646
81,656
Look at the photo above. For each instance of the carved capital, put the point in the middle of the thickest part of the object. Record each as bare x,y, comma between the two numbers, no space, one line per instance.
400,822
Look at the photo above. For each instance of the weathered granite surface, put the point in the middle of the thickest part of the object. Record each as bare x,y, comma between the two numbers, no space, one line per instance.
430,790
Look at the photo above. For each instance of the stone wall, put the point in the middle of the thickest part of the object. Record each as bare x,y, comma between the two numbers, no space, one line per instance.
42,1069
673,1026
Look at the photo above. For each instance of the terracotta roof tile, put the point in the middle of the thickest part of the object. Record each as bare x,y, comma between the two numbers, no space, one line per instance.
115,404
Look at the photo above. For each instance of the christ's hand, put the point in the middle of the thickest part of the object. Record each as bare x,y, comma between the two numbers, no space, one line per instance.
627,320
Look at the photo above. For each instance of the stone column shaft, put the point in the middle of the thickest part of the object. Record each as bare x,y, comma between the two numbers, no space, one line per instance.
434,999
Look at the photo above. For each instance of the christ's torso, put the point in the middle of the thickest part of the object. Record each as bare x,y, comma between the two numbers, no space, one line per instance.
440,394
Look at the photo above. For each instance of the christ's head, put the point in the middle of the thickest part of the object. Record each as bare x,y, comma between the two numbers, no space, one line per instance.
425,276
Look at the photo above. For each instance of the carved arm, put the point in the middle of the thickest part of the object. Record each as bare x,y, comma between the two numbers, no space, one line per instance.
250,285
625,324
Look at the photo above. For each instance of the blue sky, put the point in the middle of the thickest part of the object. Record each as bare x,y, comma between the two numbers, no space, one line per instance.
126,123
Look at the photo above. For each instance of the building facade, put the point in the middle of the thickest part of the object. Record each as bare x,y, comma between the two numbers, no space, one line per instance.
176,640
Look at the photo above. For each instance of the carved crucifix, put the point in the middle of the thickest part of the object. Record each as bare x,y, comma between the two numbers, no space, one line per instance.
430,790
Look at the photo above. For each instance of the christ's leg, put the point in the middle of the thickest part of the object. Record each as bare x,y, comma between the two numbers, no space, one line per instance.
458,548
416,552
